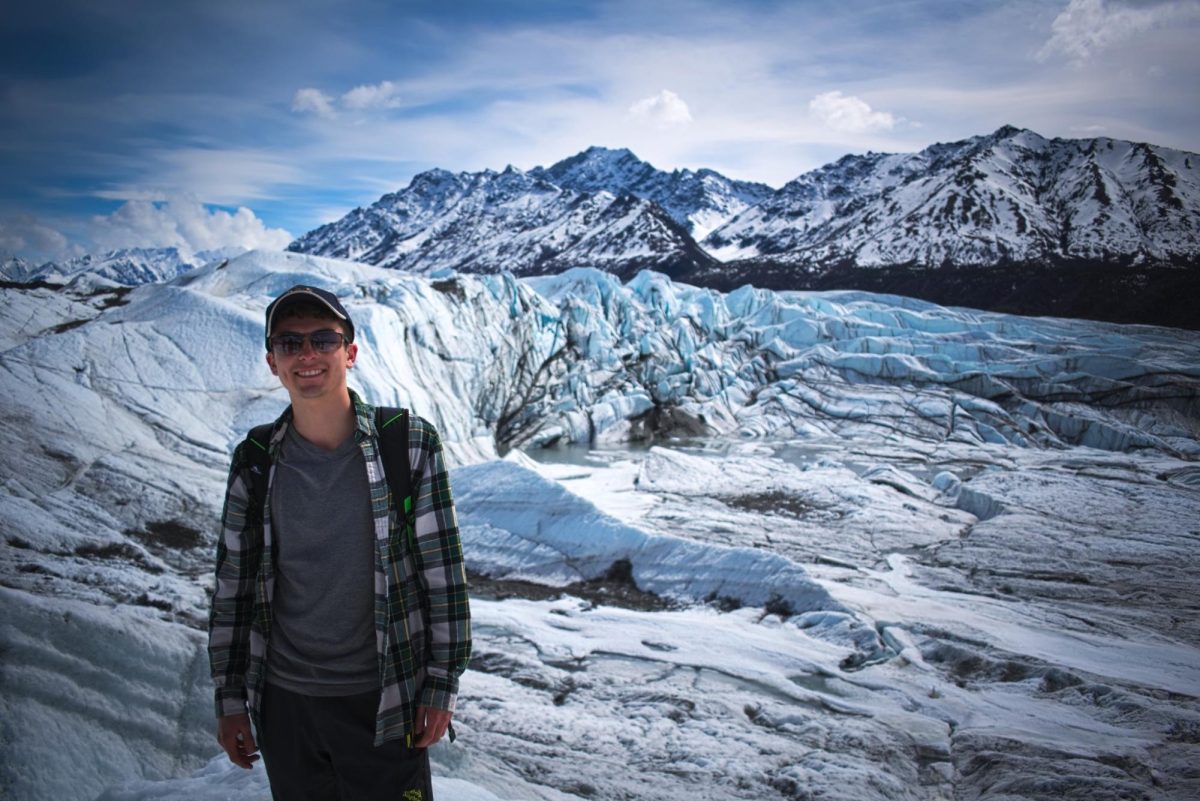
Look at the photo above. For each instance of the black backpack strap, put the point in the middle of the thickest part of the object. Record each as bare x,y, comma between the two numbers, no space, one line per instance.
392,425
256,455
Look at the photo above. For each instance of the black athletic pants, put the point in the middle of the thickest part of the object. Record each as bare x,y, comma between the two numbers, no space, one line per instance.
322,749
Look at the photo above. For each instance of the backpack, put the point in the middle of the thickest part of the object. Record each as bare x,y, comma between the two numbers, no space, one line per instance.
392,425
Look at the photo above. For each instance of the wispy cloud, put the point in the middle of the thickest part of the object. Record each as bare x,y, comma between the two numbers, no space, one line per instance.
222,176
849,114
1086,28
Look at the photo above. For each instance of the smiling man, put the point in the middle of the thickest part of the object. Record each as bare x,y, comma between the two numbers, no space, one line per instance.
340,621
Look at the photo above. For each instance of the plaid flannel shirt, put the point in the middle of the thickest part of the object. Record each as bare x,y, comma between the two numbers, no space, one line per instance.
422,616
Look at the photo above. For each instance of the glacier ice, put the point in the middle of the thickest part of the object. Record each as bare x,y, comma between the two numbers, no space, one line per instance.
960,541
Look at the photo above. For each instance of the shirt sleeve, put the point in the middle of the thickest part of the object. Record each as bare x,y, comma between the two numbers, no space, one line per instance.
239,548
439,561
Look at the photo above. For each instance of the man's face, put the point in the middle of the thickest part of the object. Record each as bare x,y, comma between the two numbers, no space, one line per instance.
309,374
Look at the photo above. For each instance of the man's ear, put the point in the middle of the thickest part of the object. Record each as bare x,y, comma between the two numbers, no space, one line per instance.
271,363
351,354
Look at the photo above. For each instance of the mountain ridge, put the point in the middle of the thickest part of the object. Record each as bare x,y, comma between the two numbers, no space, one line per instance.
509,221
118,267
696,200
955,223
1008,196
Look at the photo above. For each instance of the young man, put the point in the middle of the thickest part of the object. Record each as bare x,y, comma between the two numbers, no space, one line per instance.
340,637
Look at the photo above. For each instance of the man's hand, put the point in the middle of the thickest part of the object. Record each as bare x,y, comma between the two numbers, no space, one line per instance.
233,733
431,725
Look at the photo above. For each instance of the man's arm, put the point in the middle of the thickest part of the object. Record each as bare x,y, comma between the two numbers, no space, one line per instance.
439,560
238,550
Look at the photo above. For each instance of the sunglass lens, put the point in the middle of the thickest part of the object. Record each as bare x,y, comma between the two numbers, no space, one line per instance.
325,341
288,344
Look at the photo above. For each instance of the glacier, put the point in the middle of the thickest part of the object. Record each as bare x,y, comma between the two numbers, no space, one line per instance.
904,550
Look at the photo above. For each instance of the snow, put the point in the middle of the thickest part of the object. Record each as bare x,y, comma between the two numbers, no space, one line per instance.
1008,196
912,552
117,268
700,201
94,694
526,527
489,222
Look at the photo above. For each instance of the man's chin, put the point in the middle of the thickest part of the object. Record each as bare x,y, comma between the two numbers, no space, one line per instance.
313,390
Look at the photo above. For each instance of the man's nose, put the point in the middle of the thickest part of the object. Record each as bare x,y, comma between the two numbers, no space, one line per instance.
307,350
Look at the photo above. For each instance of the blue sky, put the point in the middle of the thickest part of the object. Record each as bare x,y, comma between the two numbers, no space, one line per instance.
201,124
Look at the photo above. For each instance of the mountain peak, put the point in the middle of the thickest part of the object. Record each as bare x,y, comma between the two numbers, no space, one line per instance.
431,183
1007,131
698,201
599,151
596,161
14,268
433,176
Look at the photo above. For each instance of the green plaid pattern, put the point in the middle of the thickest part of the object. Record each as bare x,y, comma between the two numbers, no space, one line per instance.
422,614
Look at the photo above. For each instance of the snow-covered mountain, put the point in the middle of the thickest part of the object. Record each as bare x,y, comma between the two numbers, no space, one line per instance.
1010,221
123,267
512,221
1096,228
700,200
1011,196
896,551
16,269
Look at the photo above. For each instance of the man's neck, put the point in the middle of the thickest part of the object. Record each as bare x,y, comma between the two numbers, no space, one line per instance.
325,421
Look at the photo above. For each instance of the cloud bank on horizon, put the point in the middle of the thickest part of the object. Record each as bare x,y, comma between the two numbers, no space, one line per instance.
206,125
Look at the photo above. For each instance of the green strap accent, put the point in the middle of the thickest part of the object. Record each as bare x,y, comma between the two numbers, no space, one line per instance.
256,442
394,453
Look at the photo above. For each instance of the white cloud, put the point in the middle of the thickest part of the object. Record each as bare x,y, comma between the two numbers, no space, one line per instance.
849,114
313,101
1088,27
367,97
185,223
663,109
380,95
32,239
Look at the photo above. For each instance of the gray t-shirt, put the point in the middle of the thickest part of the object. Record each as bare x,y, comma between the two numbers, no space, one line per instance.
323,609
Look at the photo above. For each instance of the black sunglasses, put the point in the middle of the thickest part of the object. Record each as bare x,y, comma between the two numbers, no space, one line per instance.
322,341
